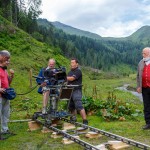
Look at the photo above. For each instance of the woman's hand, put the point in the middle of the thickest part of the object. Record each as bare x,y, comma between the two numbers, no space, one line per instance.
2,90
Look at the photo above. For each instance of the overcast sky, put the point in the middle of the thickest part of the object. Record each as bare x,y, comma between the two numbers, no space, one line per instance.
108,18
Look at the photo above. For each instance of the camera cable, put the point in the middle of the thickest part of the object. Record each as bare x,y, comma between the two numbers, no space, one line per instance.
28,91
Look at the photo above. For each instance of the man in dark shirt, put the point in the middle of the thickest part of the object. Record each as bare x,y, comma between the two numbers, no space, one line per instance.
75,78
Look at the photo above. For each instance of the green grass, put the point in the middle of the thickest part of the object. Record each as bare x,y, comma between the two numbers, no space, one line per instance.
27,53
104,86
130,128
37,140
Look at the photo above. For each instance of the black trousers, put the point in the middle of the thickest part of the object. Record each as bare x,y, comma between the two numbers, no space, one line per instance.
146,102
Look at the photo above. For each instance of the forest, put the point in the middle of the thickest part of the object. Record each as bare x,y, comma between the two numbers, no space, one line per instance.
103,54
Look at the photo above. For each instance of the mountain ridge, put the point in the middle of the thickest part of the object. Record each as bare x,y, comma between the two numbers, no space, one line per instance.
103,53
141,33
75,31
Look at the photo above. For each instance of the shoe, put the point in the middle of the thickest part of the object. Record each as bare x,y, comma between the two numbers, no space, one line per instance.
73,118
5,132
44,110
85,122
2,138
8,132
146,127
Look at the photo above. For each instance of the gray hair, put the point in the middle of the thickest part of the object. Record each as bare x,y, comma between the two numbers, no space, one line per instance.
147,49
52,59
6,53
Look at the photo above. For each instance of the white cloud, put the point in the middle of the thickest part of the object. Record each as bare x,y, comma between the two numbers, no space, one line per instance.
119,29
107,18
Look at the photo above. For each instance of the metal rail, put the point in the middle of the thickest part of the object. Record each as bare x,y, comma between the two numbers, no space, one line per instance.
71,137
111,135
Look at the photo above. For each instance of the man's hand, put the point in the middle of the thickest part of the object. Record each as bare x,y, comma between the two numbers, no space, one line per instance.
139,90
43,84
11,73
70,78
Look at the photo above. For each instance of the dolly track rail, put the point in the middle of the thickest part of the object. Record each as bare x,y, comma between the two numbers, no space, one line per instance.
71,137
111,135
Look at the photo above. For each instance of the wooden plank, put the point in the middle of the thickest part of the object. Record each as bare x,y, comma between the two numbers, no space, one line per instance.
117,145
46,130
55,135
56,121
68,141
101,147
93,135
68,126
33,125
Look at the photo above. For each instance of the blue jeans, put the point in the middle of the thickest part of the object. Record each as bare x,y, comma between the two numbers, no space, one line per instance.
4,113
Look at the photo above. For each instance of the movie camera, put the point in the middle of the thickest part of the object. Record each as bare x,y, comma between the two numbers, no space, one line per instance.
59,91
55,76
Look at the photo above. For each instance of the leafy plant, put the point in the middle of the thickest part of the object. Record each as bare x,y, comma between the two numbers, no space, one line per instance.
27,104
110,109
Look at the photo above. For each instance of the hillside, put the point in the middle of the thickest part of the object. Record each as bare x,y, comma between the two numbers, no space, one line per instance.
141,35
23,46
103,53
74,31
27,53
44,22
69,30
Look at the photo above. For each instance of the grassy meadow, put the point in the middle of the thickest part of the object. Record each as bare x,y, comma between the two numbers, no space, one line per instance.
27,104
27,53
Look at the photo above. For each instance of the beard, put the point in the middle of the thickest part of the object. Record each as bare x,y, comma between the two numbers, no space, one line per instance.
146,59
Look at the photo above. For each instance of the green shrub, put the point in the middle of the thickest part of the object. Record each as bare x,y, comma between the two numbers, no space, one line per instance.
110,109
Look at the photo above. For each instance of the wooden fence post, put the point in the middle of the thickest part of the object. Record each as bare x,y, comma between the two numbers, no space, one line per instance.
30,77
